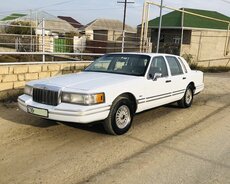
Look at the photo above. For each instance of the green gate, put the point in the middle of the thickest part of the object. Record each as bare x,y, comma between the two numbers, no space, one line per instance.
63,45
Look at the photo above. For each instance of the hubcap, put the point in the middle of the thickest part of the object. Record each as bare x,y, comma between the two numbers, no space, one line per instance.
188,96
123,117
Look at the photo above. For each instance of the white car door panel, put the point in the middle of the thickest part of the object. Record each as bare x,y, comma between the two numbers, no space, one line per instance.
179,79
157,91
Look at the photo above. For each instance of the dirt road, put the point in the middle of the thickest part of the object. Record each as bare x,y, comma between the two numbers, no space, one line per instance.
165,145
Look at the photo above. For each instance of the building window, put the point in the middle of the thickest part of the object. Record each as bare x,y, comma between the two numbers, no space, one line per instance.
187,37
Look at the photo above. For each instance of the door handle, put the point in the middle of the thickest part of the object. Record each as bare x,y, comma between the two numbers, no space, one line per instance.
167,81
184,78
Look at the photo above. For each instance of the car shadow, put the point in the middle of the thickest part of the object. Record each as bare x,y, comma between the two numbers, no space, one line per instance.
96,127
11,112
172,105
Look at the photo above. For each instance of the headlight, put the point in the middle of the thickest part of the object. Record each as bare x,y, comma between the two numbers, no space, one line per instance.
28,90
83,99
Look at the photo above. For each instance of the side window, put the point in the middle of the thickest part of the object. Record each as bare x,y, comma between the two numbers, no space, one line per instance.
158,65
184,67
174,65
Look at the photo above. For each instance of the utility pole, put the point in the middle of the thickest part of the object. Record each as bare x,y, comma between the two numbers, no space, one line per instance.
159,28
124,19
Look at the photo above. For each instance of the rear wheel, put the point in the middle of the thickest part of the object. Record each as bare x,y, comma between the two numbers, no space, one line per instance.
120,117
187,99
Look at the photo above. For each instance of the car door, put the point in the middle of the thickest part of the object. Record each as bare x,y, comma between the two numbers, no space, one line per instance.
157,90
178,78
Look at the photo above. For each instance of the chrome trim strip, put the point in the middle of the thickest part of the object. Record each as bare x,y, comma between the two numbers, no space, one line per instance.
81,114
159,98
69,110
158,95
140,99
141,102
179,91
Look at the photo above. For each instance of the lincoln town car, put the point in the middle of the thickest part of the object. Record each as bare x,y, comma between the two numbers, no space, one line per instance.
112,89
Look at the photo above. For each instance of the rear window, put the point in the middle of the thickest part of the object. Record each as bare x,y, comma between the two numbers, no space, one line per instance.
174,65
182,63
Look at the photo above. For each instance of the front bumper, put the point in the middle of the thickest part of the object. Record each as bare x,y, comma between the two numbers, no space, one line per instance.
68,112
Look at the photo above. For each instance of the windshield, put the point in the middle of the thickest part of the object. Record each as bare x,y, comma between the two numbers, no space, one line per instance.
128,64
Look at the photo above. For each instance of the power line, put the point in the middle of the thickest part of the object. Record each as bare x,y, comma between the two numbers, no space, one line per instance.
226,1
56,4
89,9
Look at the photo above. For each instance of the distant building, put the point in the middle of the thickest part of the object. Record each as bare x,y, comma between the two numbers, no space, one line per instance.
71,21
13,16
203,38
106,35
106,29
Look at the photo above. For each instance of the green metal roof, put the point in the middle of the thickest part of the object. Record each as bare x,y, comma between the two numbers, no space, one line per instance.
13,16
174,20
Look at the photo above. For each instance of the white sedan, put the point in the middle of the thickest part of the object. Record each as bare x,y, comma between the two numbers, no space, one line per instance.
114,88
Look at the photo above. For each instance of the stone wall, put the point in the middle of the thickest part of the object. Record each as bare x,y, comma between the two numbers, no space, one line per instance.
13,77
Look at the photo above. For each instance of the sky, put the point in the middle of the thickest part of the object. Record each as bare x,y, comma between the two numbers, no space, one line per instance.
86,11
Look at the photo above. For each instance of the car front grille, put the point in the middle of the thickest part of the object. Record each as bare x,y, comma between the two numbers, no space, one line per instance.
45,96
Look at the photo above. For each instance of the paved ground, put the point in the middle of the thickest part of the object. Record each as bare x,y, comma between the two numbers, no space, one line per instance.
165,145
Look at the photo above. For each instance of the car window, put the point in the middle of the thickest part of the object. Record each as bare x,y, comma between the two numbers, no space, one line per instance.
183,65
128,64
103,65
158,65
174,65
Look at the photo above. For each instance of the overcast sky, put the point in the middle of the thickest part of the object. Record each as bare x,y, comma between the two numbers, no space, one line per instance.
86,11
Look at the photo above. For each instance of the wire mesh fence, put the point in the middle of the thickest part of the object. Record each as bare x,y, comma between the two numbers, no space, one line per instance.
201,35
41,35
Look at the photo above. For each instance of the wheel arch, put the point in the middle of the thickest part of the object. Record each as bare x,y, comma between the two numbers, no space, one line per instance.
192,84
131,97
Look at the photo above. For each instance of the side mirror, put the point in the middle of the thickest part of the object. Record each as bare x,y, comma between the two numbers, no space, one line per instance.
155,76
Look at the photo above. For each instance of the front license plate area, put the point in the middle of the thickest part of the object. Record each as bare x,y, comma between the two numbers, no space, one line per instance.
37,111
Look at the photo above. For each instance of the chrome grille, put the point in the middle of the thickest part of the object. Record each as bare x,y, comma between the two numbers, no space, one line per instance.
45,96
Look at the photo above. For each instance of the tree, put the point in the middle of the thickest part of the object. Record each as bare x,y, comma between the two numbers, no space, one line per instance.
19,27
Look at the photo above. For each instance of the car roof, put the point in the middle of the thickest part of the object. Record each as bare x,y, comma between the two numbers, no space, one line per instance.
142,53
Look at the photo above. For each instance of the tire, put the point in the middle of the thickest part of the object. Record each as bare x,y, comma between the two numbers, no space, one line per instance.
120,117
187,99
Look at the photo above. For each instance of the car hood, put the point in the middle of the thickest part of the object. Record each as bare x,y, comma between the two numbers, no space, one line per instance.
85,81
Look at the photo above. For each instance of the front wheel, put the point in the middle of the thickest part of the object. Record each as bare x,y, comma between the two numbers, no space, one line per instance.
120,117
187,99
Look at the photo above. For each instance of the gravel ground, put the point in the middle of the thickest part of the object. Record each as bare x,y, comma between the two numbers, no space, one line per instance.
165,145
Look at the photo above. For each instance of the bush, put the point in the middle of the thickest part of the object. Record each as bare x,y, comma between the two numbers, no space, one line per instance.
19,27
189,58
214,69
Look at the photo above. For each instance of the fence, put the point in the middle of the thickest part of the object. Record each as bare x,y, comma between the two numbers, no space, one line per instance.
41,38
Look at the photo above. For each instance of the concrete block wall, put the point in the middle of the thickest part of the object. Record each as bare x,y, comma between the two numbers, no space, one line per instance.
208,45
13,77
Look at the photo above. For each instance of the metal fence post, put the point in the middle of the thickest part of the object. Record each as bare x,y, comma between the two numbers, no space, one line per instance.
159,28
43,40
123,41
